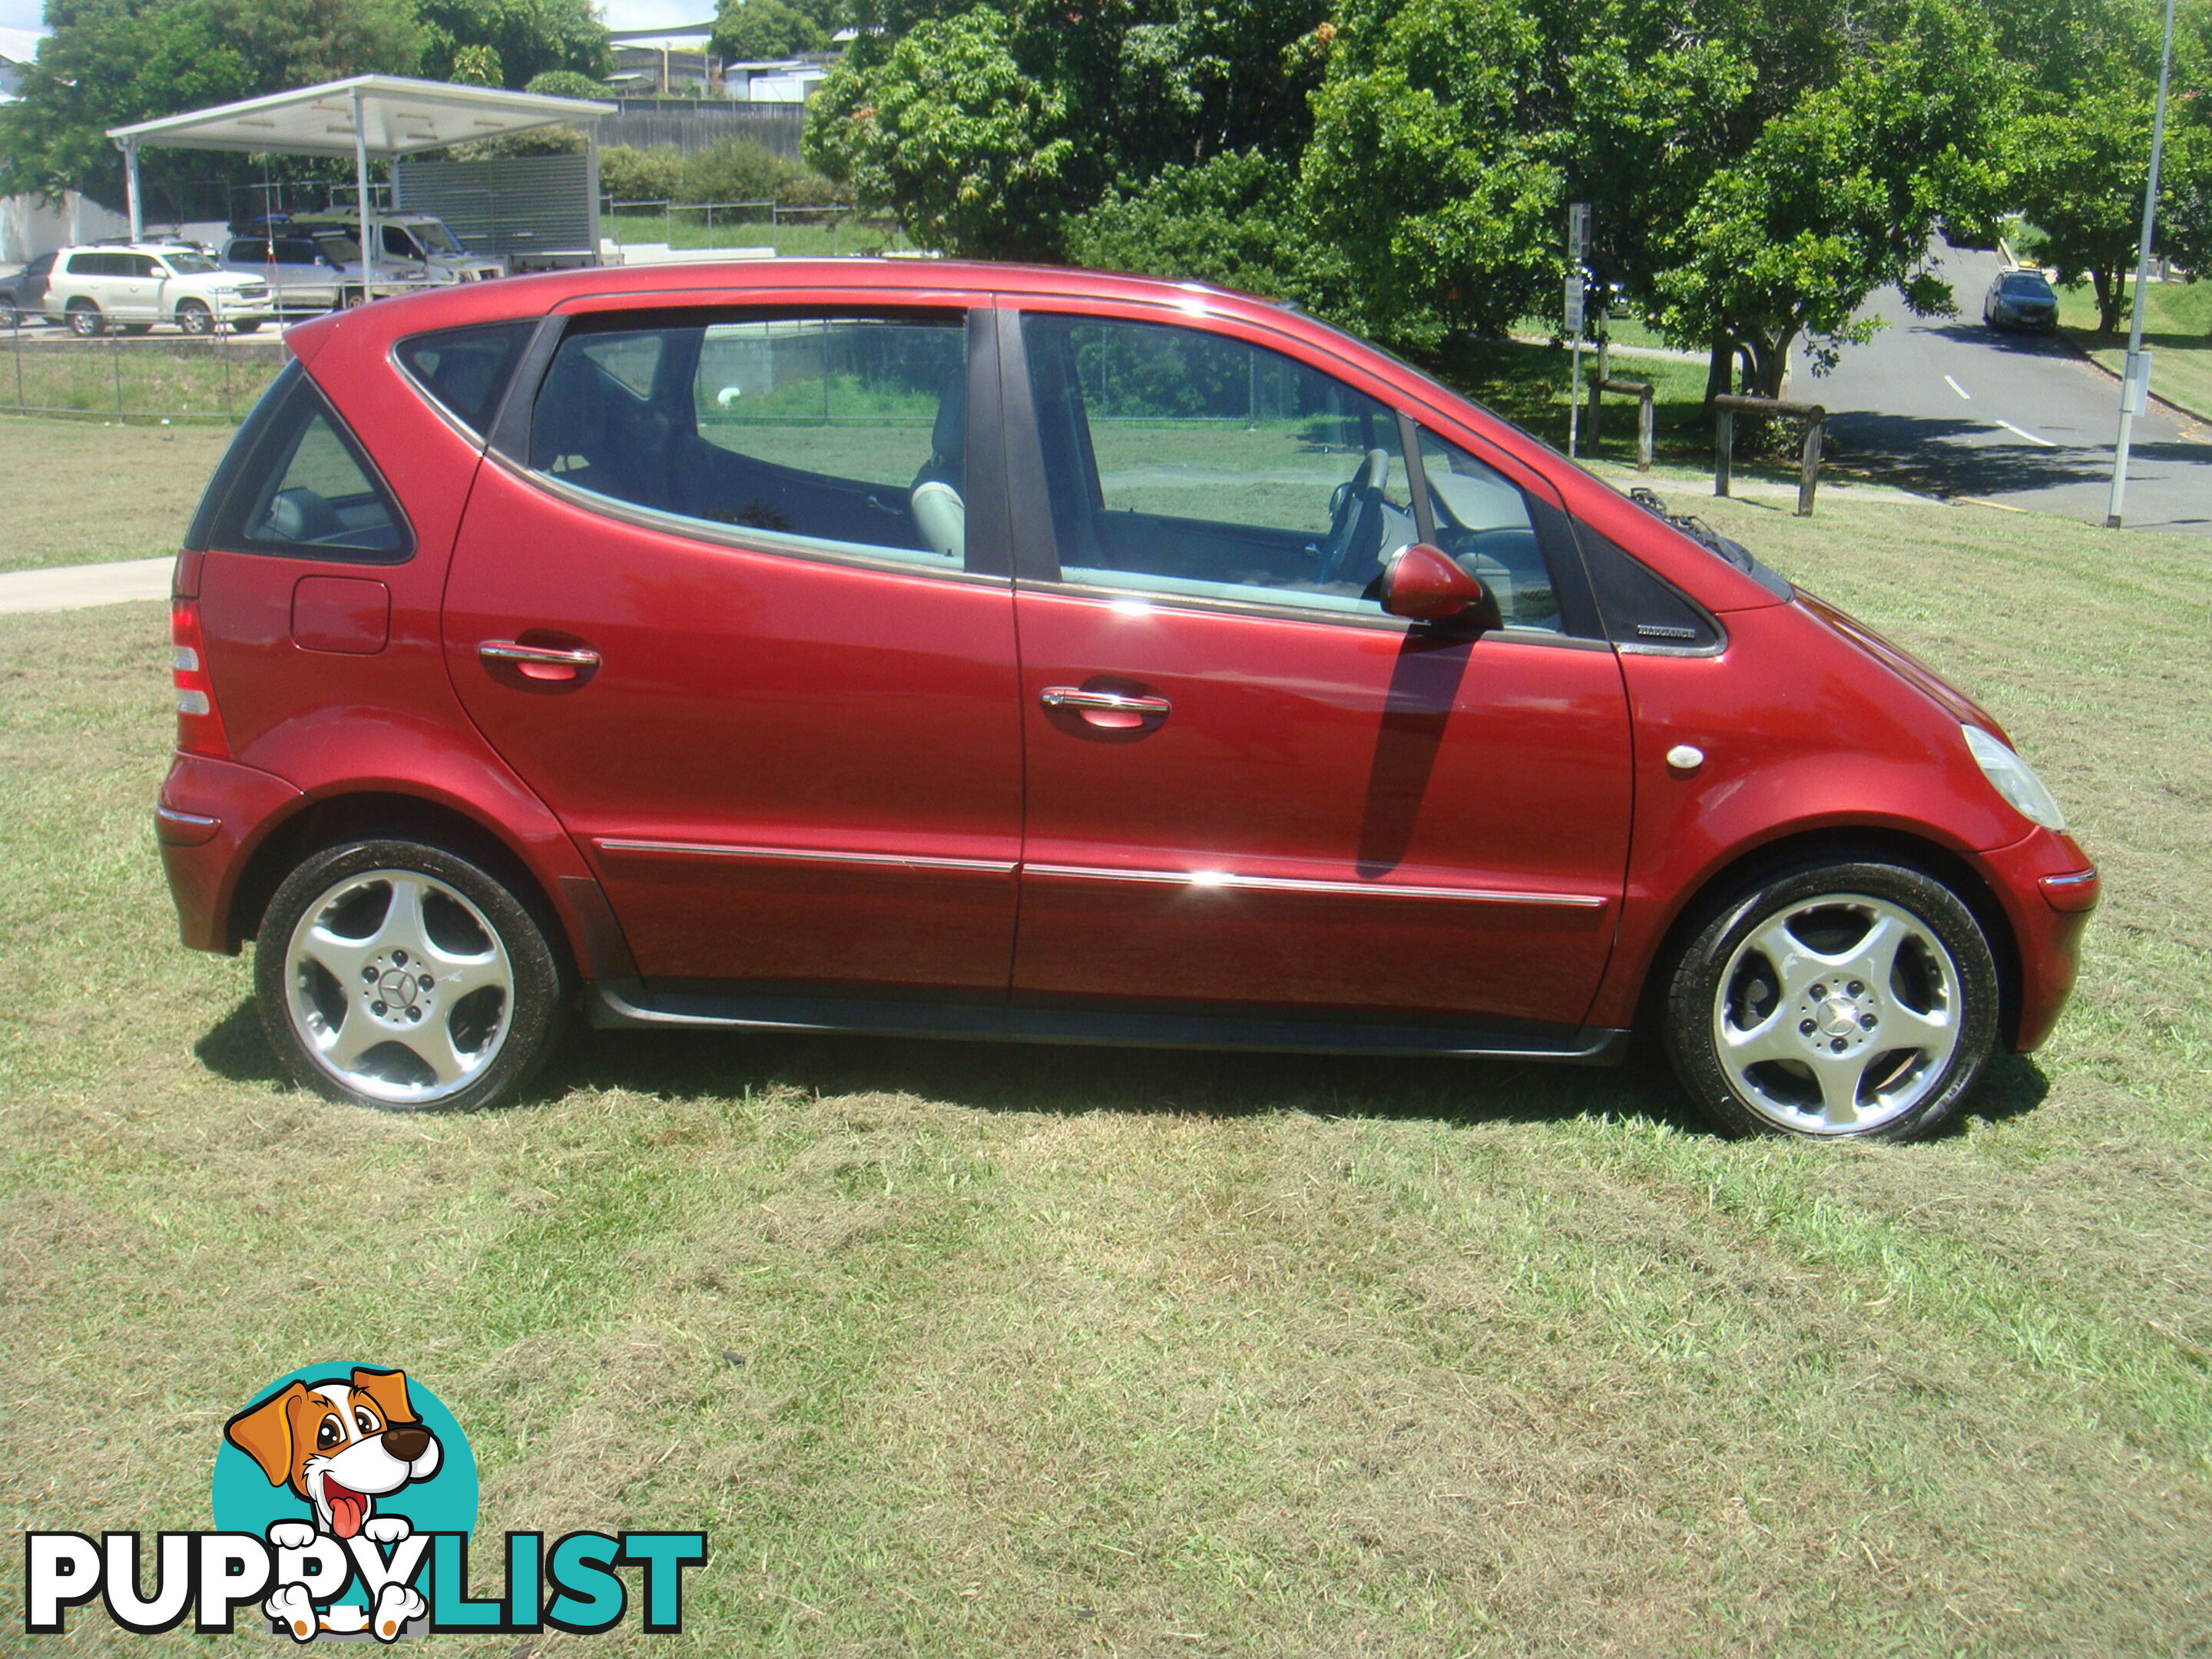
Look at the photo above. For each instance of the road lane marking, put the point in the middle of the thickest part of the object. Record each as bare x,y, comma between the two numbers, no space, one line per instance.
2026,433
1956,387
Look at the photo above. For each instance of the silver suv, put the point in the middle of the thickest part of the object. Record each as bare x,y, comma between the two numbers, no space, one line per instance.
138,284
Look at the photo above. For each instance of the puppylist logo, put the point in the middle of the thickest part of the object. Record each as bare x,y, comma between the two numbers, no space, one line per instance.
343,1500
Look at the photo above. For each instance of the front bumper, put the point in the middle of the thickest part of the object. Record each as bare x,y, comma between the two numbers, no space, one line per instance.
210,816
2049,888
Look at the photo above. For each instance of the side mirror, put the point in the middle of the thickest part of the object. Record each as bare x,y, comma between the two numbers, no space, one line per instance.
1420,582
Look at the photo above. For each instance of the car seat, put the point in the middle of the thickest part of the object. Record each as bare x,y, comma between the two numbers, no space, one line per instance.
939,514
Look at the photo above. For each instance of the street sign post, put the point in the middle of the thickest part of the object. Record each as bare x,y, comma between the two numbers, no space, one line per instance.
1578,225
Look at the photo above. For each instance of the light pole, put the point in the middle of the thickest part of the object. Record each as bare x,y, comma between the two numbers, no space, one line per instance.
2135,379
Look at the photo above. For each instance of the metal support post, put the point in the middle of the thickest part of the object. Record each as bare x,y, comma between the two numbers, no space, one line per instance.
360,200
2135,385
133,200
1724,448
1808,472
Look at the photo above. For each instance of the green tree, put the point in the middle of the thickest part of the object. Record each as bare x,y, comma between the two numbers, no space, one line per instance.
1103,97
2090,72
1841,195
564,84
526,37
753,31
973,154
1235,219
108,63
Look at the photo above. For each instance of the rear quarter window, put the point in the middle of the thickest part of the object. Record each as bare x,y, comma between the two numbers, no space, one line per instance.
295,483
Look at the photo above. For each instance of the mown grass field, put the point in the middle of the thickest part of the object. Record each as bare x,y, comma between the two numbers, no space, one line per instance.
957,1349
77,492
2177,330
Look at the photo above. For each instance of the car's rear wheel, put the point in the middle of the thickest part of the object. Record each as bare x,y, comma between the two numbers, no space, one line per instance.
250,326
194,318
399,974
1852,1000
135,328
84,318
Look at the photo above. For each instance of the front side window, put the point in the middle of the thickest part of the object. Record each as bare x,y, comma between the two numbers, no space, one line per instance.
839,434
190,265
1483,523
1184,463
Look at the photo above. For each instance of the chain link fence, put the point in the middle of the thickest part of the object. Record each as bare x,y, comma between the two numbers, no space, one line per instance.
141,379
799,230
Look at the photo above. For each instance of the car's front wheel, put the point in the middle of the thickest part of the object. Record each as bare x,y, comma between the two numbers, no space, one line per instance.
11,317
194,318
395,974
1850,1000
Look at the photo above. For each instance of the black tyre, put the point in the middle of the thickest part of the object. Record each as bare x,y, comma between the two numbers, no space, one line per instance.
10,318
84,318
194,318
1845,999
399,974
250,327
135,328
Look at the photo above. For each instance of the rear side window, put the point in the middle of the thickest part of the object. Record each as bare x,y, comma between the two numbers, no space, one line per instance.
836,434
467,369
295,483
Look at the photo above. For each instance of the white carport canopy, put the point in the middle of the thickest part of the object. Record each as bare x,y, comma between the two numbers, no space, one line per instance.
378,115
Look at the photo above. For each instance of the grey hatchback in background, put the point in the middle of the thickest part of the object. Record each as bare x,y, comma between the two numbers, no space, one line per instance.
2021,299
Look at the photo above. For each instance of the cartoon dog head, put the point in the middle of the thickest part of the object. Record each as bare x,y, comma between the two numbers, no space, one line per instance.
340,1442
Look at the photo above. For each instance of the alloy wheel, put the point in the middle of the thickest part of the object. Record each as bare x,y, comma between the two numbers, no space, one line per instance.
1837,1014
398,987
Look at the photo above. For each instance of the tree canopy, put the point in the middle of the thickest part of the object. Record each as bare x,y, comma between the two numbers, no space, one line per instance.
1757,168
108,63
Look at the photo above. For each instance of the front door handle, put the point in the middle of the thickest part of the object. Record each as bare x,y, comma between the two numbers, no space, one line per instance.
1116,710
541,662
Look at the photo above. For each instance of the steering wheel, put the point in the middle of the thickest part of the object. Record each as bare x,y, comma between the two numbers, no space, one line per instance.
1348,511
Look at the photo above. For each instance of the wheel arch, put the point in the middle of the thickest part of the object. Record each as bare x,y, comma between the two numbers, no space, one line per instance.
327,821
1836,844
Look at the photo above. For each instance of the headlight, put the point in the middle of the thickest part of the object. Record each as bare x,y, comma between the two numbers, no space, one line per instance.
2014,779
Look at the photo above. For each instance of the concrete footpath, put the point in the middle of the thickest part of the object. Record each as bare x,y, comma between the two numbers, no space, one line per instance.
72,586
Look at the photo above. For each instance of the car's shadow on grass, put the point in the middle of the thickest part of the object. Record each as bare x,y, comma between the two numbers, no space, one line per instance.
1069,1078
1072,1079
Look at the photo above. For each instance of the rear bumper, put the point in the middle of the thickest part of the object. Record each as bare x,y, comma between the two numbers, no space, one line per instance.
2049,889
210,816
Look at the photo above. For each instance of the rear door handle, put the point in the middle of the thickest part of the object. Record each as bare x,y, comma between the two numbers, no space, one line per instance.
1114,710
1071,696
540,662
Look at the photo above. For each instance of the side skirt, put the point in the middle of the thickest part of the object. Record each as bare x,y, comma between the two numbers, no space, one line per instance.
617,1004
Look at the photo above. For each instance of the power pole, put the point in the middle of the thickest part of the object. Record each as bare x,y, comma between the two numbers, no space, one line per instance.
2135,378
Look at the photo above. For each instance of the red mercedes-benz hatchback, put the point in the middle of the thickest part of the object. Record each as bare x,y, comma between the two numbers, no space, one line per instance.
971,651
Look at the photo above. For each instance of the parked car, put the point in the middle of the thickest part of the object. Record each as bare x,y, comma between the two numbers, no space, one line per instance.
977,651
2021,299
305,274
23,296
413,246
134,286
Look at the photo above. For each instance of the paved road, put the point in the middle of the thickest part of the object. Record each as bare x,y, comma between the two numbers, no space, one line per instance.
2016,418
73,587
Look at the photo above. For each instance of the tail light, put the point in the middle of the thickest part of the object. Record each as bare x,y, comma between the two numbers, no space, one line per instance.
199,722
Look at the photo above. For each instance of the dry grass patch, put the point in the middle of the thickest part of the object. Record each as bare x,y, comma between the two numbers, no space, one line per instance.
954,1348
